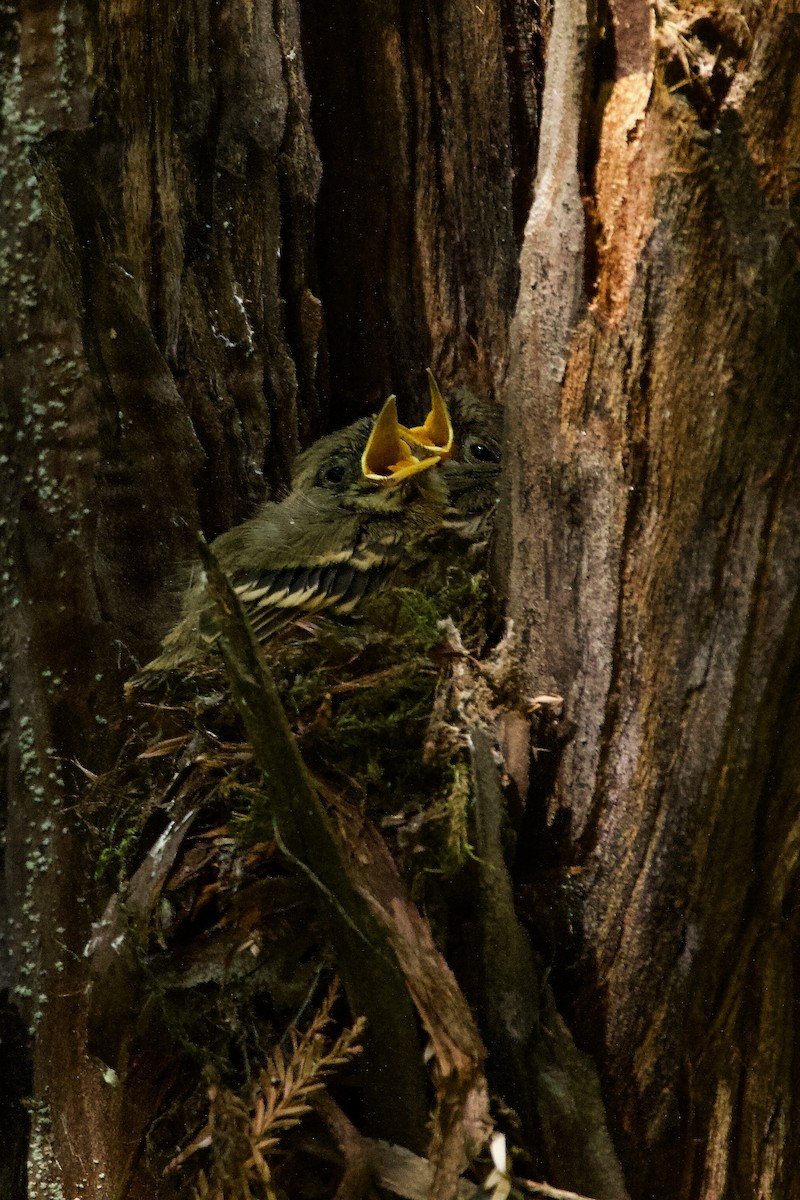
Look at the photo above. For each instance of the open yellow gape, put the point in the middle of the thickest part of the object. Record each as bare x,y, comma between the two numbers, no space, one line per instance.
387,458
436,435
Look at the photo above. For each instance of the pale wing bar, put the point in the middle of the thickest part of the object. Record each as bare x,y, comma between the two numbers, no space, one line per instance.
274,598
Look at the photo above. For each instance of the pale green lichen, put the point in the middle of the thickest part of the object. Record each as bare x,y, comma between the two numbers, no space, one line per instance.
23,128
40,786
40,392
44,1172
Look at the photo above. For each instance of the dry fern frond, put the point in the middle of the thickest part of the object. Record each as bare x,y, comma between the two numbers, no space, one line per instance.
241,1134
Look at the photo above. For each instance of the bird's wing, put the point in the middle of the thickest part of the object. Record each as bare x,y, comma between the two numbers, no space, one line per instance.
337,581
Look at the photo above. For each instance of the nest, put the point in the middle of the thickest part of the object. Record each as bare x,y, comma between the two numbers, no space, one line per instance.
221,934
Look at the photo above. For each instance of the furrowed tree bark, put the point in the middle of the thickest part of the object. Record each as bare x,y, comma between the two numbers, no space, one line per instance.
158,187
656,588
230,227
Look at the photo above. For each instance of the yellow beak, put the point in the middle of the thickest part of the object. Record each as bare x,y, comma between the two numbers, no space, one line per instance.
386,457
436,435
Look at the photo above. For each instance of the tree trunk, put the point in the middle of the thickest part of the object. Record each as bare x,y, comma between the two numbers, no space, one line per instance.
654,581
231,227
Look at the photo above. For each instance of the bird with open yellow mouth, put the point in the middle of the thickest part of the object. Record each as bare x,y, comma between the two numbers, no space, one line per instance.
467,438
369,506
361,514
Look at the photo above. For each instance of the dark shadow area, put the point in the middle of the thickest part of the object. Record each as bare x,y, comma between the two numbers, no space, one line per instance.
368,270
16,1072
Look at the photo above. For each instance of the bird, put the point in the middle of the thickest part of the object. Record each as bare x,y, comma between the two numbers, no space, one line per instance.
469,442
364,511
472,474
361,514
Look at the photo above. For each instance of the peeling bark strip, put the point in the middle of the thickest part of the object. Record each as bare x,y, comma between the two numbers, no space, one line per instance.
656,579
370,971
564,1090
461,1123
550,301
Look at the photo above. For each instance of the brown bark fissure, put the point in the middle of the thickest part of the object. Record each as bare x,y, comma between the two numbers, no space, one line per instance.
523,43
423,185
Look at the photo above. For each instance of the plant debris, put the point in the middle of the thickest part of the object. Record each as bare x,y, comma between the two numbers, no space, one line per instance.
220,928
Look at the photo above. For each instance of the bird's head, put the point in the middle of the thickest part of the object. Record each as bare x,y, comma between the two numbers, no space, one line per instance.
472,473
368,467
468,440
472,436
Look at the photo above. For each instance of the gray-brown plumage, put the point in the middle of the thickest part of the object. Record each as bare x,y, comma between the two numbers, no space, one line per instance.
468,439
472,471
361,514
369,506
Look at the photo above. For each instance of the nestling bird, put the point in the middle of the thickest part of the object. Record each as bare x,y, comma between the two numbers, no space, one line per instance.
469,443
360,515
472,472
364,512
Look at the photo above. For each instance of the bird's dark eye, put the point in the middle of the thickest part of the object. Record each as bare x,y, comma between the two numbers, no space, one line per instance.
333,474
482,452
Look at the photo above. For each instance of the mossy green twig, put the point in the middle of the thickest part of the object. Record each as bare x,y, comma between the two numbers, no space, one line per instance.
368,964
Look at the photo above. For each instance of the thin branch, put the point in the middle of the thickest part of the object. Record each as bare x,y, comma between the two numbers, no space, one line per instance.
367,962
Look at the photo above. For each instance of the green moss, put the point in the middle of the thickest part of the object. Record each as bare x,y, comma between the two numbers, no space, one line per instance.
361,695
457,848
121,833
